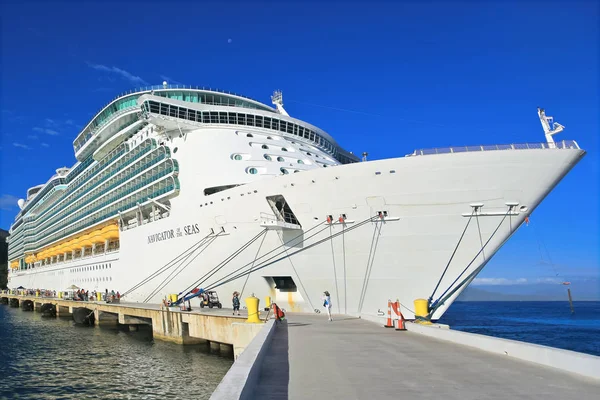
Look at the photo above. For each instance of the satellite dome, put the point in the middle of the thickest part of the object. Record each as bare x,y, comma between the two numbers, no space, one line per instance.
21,203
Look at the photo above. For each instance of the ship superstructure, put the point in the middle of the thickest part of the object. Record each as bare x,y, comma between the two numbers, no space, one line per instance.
169,171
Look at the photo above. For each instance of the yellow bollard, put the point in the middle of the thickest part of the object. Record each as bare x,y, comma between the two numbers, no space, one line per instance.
173,298
99,296
267,303
37,293
252,306
422,310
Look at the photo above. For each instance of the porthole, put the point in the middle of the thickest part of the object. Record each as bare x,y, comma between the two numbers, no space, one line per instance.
264,146
269,137
249,135
296,170
253,171
175,150
280,159
308,154
283,149
324,166
284,171
237,157
300,162
267,157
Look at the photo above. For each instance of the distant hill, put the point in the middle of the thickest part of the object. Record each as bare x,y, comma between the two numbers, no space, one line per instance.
585,290
3,259
474,294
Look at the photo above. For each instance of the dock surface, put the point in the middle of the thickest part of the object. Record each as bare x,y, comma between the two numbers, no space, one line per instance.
351,358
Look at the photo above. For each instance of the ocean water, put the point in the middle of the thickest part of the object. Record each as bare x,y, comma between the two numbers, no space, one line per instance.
51,358
547,323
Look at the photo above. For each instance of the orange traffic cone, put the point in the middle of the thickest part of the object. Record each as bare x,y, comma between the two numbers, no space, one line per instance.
400,326
389,323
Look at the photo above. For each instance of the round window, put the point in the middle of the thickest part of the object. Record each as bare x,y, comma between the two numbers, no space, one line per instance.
280,159
267,157
264,146
249,135
284,171
237,157
300,162
175,150
283,149
253,171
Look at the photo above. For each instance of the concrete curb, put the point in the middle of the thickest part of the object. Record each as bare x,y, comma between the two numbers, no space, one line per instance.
242,377
565,360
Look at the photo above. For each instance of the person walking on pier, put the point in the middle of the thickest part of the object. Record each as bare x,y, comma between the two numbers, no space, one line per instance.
236,303
327,304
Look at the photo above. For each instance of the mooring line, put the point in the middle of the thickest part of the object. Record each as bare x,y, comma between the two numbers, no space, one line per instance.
337,291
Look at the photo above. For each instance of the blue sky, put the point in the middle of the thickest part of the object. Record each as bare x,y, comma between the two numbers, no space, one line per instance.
383,77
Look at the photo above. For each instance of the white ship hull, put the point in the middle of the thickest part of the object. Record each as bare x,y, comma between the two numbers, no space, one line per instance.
427,200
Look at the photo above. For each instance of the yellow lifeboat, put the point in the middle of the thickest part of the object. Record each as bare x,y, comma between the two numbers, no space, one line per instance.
111,232
85,241
97,236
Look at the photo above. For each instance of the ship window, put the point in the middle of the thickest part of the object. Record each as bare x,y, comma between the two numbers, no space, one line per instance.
283,149
237,157
280,159
253,171
264,146
300,162
215,189
284,171
267,157
249,135
296,170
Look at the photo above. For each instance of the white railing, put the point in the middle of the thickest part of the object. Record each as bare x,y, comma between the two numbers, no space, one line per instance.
564,144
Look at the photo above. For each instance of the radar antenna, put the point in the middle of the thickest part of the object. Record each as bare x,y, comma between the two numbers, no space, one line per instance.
277,100
550,127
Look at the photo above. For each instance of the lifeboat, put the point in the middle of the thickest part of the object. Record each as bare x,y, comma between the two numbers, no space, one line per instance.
85,241
111,232
97,236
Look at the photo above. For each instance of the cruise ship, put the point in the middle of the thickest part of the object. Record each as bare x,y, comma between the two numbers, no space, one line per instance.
177,189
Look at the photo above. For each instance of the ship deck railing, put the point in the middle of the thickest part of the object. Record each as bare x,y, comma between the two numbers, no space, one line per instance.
563,144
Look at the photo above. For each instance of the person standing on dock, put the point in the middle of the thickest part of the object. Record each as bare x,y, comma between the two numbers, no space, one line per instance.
236,303
327,304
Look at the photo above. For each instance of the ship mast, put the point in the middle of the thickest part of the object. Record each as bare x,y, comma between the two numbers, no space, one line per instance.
550,127
277,100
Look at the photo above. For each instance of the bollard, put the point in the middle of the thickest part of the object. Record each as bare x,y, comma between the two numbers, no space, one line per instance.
252,306
422,310
267,303
37,293
173,298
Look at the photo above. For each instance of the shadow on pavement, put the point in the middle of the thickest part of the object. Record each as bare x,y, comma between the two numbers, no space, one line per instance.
275,374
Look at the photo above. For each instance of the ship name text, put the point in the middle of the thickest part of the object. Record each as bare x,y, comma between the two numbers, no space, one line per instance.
174,233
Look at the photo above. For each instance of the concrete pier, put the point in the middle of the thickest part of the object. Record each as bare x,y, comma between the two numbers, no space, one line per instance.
230,334
308,357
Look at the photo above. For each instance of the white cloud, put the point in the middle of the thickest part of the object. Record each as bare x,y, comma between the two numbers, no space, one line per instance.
44,144
518,281
8,202
22,146
47,131
136,80
69,122
32,137
498,281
